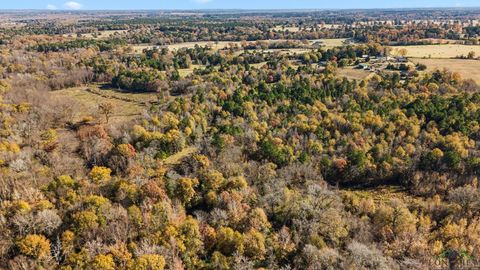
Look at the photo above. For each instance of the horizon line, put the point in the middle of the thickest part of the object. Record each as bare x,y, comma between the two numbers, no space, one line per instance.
241,9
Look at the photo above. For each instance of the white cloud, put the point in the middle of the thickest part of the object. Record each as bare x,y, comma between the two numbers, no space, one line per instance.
51,7
73,5
202,1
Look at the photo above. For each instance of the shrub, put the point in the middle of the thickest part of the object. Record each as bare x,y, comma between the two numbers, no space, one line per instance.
85,220
100,174
229,241
34,245
149,262
104,262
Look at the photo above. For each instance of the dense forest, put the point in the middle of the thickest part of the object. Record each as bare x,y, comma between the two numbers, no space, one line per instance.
256,159
411,26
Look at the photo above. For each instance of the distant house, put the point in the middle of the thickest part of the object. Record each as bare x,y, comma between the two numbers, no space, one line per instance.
363,66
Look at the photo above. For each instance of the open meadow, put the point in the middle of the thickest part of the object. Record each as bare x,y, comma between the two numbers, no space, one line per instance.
437,51
468,69
126,106
188,45
329,43
353,73
219,45
187,71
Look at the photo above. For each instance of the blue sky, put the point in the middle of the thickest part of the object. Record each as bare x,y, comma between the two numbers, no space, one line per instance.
229,4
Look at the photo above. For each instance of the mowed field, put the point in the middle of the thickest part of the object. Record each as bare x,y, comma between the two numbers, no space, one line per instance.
468,69
353,73
214,45
437,51
328,43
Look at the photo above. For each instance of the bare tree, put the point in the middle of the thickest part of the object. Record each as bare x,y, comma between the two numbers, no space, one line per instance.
106,108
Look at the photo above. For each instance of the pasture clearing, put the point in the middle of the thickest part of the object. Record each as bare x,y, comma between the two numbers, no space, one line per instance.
353,73
219,45
329,43
437,51
188,45
127,106
468,69
187,71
